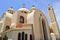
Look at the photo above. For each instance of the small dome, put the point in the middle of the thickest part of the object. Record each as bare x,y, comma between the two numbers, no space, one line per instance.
11,8
33,7
23,9
50,7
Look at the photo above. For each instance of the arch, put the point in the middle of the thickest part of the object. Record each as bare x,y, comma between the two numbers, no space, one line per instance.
26,37
7,27
31,37
5,37
19,36
23,34
21,19
44,30
0,38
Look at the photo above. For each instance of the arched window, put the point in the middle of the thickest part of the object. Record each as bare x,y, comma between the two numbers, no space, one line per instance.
44,30
26,37
7,27
5,38
31,37
21,19
19,36
23,35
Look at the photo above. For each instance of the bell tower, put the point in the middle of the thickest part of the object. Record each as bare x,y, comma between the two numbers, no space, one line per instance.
10,10
53,22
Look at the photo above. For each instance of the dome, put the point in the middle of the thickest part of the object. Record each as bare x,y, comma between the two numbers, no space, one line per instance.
11,8
23,9
33,7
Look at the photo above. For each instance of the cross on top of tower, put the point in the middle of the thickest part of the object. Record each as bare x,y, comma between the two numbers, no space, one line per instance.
50,7
11,7
23,6
33,5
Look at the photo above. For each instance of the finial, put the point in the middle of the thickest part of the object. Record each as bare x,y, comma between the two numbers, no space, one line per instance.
23,6
49,5
11,7
33,5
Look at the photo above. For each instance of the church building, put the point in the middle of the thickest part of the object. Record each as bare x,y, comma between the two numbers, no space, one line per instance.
25,24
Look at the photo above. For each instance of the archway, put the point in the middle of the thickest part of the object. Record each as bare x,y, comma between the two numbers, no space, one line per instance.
44,30
5,37
26,37
19,36
23,35
31,37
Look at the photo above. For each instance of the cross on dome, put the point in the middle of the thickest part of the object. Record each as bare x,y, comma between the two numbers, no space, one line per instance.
33,5
23,6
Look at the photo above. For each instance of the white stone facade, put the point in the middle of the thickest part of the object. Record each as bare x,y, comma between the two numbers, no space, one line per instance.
31,23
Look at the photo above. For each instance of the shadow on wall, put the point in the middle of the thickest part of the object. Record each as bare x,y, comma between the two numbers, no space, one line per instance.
0,38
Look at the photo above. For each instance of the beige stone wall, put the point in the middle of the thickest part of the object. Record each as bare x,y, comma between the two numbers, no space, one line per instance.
37,17
13,33
3,25
36,22
53,22
54,28
19,13
8,21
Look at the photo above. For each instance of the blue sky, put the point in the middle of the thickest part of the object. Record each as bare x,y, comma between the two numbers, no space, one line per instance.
39,4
